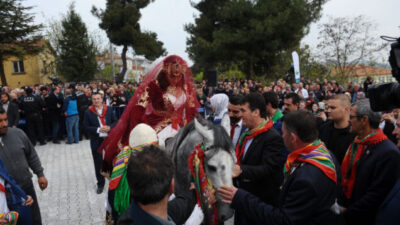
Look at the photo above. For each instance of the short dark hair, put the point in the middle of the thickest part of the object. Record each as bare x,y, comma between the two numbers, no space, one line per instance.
149,175
5,93
28,91
271,97
295,98
43,89
303,124
256,101
236,99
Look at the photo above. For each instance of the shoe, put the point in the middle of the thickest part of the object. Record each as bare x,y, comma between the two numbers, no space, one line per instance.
56,142
42,143
99,190
68,143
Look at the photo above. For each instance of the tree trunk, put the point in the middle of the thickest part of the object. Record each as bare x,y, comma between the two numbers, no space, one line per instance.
2,73
124,64
250,74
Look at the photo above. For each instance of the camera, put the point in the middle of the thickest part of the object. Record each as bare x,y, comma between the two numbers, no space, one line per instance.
384,97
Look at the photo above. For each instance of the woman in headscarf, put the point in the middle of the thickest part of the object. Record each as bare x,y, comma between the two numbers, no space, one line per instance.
219,103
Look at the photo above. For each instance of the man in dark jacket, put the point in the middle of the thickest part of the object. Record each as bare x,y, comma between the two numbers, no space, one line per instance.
33,107
98,122
309,188
150,176
370,168
11,108
53,104
336,132
260,155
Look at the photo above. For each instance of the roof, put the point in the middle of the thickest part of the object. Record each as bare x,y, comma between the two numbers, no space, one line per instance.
363,70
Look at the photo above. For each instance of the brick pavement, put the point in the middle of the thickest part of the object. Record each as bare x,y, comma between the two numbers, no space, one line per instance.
70,197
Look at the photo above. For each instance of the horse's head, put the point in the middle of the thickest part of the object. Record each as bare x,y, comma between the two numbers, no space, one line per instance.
219,159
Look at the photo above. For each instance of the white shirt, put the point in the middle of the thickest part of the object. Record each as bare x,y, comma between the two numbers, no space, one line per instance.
3,199
5,106
101,134
236,135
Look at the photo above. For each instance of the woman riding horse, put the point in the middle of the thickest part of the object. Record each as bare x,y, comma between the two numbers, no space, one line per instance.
165,100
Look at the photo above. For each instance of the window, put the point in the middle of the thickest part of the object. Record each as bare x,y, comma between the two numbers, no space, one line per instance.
18,66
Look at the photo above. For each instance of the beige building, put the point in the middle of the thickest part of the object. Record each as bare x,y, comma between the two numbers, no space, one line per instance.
31,69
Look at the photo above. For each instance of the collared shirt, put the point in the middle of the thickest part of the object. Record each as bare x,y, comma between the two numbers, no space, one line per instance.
99,112
246,147
5,106
236,135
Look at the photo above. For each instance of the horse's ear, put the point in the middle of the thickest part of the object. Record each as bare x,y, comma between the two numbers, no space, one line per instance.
207,134
226,123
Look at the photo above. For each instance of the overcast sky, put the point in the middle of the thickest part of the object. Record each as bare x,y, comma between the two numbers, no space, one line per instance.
168,17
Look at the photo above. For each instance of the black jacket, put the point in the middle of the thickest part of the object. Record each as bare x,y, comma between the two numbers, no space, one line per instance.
262,169
51,104
91,124
336,140
377,173
305,199
12,114
179,210
32,105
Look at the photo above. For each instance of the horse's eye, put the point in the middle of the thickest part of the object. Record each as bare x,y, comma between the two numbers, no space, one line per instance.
212,168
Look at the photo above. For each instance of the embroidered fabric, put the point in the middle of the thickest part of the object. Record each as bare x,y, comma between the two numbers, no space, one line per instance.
153,105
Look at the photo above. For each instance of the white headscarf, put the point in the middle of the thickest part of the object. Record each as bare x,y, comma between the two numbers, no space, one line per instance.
220,104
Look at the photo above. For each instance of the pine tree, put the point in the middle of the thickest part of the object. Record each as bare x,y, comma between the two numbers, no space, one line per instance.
251,34
76,59
18,37
120,20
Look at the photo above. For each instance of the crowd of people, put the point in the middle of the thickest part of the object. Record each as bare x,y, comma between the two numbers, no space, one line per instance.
312,152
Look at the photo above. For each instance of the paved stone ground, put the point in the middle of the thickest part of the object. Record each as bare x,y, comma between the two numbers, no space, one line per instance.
70,197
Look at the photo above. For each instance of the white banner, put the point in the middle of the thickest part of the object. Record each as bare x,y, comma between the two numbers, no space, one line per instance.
296,65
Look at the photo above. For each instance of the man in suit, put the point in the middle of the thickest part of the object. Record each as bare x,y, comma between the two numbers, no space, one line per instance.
53,104
235,117
309,187
98,122
11,109
259,154
370,168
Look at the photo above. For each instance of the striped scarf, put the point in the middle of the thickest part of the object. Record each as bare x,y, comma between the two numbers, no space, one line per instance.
10,217
316,154
353,156
250,134
118,179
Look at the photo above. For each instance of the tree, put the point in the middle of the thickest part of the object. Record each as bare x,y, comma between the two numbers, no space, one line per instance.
120,20
18,35
76,51
346,42
250,34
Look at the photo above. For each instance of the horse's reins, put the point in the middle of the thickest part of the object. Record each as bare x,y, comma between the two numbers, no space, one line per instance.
202,183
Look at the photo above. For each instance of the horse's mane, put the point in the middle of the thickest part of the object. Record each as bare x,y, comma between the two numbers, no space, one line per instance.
221,139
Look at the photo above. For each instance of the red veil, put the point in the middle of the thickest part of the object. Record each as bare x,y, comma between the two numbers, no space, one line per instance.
148,105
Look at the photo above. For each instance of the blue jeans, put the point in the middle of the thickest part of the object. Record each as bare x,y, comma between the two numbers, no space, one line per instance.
72,124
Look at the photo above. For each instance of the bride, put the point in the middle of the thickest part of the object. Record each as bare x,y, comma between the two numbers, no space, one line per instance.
165,100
